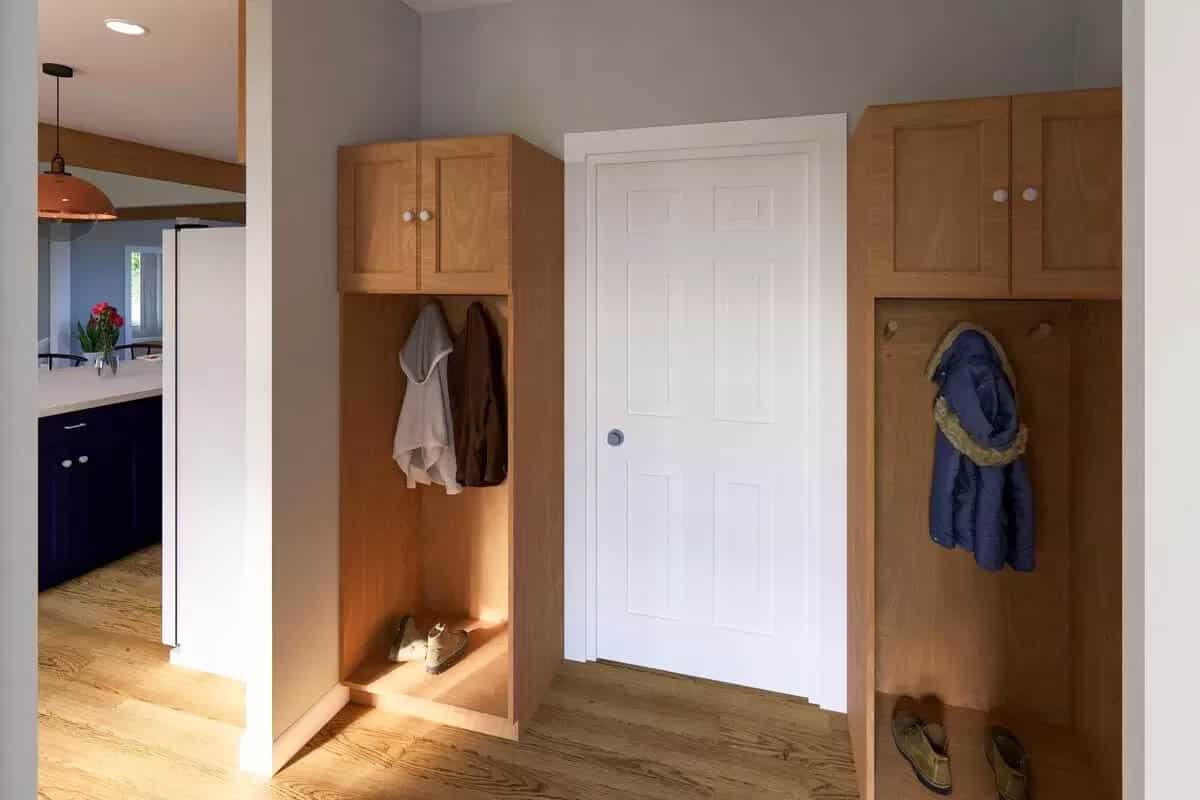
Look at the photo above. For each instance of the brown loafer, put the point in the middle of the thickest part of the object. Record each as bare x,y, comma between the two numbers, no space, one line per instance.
924,746
1010,764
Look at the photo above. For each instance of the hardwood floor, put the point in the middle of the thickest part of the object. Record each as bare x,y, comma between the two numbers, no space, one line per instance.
118,721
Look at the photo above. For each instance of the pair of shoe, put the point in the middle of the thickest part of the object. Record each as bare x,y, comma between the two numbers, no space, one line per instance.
440,649
927,749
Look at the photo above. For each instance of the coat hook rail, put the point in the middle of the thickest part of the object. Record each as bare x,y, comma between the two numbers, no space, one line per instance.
890,329
1041,331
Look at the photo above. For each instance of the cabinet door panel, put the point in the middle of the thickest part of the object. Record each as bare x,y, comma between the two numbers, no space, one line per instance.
377,184
937,226
1067,187
466,242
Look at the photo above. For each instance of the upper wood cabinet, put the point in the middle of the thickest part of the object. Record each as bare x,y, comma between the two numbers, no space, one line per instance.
995,197
1067,194
937,198
433,216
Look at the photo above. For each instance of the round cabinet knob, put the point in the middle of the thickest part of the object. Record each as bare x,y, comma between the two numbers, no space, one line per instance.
616,437
1000,196
407,216
67,463
424,216
1030,194
83,459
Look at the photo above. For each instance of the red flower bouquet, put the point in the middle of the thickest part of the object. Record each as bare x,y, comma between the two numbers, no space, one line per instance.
102,330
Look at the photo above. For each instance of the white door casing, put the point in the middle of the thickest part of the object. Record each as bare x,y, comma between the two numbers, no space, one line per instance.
713,538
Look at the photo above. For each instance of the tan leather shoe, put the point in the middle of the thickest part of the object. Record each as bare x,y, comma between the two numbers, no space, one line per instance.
924,746
409,645
444,649
1010,764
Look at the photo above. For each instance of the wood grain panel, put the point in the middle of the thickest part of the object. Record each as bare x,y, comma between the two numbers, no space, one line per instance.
465,538
1067,239
1096,554
536,435
977,639
380,519
225,212
937,211
932,226
93,151
860,478
241,81
377,183
1061,768
466,245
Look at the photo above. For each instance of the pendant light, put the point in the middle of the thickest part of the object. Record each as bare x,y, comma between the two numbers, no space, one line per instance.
62,196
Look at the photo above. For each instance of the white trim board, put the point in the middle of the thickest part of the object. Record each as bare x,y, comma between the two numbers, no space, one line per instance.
292,740
585,152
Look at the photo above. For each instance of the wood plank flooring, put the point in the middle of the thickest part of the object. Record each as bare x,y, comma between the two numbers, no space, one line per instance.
117,721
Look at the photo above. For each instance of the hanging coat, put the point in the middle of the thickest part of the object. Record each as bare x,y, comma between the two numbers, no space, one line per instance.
424,442
477,398
981,499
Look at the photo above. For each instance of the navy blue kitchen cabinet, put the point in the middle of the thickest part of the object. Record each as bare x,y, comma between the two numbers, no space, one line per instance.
99,487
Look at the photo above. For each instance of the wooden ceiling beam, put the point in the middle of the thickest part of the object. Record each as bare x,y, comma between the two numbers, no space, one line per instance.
218,212
82,149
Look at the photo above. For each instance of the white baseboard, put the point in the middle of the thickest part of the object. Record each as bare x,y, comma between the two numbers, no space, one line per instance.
191,658
254,756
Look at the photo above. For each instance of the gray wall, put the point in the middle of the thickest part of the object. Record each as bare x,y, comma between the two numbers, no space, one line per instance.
319,78
43,309
18,375
541,68
98,264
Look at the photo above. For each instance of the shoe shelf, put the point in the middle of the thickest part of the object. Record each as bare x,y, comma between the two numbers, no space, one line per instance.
1059,767
472,694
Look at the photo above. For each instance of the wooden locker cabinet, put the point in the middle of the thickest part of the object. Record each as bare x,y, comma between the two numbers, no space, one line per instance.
431,216
1067,194
937,198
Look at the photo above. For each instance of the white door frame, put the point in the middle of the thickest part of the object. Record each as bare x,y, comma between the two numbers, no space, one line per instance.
585,152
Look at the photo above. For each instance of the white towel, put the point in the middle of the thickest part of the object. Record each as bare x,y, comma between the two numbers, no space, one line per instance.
424,443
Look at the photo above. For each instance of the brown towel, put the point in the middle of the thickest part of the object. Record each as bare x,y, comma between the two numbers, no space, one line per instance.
477,400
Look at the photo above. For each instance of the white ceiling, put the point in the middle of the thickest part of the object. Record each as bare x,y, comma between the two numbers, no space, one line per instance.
434,6
175,88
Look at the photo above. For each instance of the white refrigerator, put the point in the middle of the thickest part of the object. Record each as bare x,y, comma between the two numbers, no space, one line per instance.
204,435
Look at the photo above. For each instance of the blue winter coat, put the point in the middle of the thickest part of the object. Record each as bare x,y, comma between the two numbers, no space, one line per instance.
981,499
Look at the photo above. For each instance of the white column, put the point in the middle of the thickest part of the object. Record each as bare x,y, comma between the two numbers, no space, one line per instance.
18,380
1162,386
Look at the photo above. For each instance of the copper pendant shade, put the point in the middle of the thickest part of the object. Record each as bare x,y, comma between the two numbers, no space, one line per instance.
61,195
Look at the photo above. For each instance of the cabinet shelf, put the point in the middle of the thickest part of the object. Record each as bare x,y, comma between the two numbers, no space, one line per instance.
471,694
1059,767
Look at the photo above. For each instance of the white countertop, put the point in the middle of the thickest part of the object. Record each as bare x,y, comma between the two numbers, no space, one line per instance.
67,389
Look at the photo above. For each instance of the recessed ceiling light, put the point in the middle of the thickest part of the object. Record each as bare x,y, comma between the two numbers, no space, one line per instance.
125,26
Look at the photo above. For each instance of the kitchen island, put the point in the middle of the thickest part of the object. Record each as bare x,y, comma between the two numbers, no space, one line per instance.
99,467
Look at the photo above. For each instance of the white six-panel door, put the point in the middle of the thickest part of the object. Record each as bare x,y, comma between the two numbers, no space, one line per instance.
710,353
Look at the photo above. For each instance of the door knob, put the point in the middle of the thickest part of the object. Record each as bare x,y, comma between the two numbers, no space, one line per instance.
616,437
1030,194
407,216
425,216
1000,196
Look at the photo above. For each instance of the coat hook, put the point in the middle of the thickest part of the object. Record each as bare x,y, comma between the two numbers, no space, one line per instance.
1041,331
890,329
